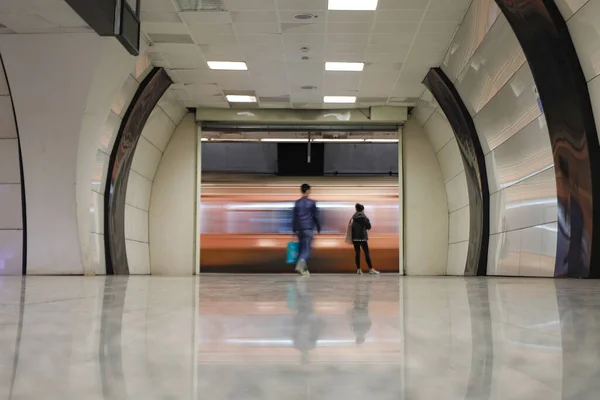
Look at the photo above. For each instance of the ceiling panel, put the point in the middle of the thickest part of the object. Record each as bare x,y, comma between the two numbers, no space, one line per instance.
302,5
399,42
251,5
254,16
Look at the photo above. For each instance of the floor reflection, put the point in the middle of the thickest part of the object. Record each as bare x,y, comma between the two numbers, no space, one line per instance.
274,337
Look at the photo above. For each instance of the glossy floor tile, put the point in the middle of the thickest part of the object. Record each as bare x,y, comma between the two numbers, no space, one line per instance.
283,337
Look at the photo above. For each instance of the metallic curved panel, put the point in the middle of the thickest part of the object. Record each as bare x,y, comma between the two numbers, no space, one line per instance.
522,156
121,158
475,170
563,91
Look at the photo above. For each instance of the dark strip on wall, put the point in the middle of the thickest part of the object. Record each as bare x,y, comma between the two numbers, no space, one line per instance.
147,96
475,170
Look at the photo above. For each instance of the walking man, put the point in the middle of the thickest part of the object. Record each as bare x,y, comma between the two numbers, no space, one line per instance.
305,219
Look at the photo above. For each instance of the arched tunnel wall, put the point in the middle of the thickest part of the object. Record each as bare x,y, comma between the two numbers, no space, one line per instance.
488,68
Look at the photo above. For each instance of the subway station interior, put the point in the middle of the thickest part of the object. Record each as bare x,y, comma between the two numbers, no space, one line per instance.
157,242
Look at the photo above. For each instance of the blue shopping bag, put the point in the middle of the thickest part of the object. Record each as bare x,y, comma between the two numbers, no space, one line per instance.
293,252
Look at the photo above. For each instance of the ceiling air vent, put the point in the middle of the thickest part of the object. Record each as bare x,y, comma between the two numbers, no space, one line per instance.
201,5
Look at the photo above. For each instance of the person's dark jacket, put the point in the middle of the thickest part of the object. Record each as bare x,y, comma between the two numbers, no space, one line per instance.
305,216
360,226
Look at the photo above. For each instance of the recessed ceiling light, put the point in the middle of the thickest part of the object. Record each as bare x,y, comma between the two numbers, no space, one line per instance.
305,16
339,99
360,5
228,65
344,66
237,98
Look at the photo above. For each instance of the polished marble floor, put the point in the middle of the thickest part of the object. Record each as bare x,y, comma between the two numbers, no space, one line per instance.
283,337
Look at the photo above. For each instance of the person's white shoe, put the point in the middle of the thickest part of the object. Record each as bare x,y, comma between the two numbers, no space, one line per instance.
301,267
359,272
373,272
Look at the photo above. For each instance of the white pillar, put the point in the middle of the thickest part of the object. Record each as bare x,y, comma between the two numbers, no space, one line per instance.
198,195
400,203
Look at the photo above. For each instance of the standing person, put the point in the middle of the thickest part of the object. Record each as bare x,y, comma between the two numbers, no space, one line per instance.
360,225
305,219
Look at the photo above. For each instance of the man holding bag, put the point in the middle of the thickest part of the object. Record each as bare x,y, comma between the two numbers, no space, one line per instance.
305,219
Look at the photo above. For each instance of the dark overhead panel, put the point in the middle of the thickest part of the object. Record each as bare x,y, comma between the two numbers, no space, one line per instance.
118,18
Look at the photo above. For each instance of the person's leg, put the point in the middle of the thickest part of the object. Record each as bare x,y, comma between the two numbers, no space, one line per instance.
301,265
308,237
357,255
365,247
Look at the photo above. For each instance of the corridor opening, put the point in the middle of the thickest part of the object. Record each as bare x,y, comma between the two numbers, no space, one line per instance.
248,187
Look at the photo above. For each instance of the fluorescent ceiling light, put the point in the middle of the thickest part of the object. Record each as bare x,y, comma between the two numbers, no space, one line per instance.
382,140
228,65
339,99
292,140
204,139
340,140
233,140
360,5
344,66
237,98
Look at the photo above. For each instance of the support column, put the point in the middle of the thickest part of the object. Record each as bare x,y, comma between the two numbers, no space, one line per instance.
400,204
198,229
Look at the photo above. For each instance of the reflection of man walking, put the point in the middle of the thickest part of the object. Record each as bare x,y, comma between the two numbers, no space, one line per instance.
305,219
358,316
307,325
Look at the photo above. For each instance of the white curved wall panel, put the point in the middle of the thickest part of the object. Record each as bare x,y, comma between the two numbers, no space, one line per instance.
457,192
50,78
425,205
172,217
438,129
154,139
569,7
9,161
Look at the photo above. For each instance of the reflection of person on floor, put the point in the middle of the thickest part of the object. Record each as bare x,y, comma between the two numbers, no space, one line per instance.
358,316
307,325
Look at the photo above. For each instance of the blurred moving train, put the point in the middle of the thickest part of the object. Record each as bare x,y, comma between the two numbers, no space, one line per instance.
245,222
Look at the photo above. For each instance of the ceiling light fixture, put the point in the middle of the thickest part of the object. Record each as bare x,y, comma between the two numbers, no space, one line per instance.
228,65
382,140
344,66
237,98
358,5
289,140
339,99
339,140
305,16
